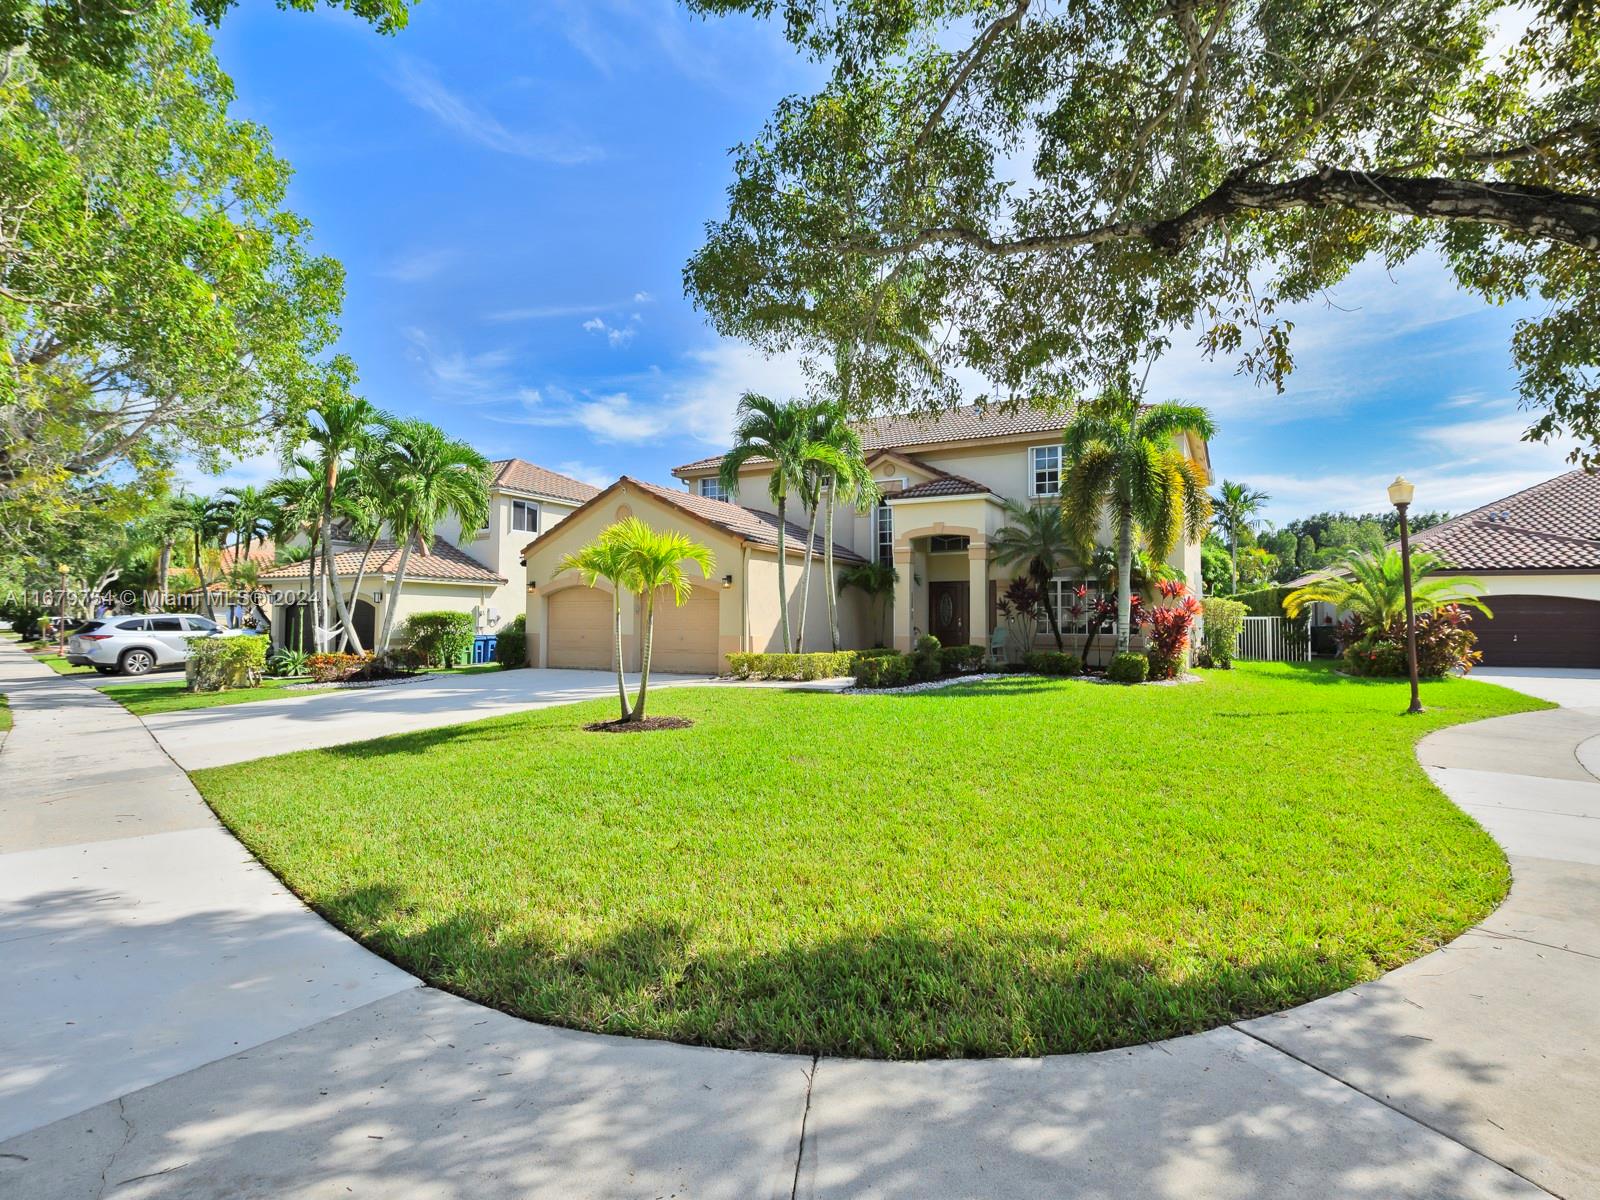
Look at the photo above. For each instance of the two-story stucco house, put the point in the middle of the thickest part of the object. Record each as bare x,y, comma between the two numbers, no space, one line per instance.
944,480
476,570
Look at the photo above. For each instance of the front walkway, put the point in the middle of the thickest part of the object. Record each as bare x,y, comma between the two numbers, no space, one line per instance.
173,1023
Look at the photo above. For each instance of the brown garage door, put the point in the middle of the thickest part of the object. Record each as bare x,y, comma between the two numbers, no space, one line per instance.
581,633
1539,631
686,637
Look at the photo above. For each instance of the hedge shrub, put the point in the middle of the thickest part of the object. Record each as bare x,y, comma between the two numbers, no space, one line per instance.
1052,662
925,661
442,638
818,665
1128,667
882,670
1223,619
335,668
219,663
962,660
511,644
1444,645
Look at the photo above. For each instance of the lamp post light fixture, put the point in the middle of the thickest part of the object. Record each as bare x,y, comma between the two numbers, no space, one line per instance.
61,624
1401,492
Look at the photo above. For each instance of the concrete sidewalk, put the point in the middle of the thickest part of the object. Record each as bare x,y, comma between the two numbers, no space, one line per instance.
176,1025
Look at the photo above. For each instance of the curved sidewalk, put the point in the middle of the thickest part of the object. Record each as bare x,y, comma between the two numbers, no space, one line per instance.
174,1023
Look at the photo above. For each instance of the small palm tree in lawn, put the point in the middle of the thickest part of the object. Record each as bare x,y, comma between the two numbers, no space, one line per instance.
653,561
1121,458
1371,588
1037,534
1233,510
342,425
775,430
877,580
606,558
437,476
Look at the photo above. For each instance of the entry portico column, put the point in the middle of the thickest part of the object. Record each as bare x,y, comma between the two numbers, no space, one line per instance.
978,593
902,598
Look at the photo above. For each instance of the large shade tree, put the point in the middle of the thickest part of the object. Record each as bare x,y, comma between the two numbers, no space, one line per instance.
1066,186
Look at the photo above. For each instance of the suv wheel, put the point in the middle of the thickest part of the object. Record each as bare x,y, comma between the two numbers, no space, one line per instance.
137,662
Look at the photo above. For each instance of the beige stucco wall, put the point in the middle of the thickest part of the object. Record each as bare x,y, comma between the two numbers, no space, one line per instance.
765,629
1578,586
500,549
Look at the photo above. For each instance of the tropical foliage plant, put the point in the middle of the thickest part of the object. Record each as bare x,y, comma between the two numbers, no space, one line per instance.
1168,623
1037,536
606,558
652,563
1370,589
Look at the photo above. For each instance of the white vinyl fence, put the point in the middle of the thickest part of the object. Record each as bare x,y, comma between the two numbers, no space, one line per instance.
1272,638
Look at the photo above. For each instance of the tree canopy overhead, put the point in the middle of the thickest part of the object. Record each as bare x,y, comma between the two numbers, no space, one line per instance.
1050,190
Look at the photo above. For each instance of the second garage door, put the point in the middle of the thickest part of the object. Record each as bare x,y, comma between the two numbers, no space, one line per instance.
581,634
686,637
1539,631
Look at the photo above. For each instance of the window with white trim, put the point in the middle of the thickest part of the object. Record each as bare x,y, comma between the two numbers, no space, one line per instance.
524,516
711,488
1061,594
948,543
885,534
1045,473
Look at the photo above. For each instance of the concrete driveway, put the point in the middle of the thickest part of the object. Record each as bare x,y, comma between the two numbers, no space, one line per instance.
213,737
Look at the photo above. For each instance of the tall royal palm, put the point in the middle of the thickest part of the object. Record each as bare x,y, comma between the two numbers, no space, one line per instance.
1123,460
341,425
652,562
824,458
607,558
436,477
1233,510
775,430
1037,534
846,480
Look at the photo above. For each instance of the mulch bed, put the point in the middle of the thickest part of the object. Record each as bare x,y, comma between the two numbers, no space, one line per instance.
644,726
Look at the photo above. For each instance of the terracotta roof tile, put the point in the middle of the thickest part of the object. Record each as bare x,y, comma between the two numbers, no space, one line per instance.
945,485
753,526
442,561
956,425
1554,525
515,475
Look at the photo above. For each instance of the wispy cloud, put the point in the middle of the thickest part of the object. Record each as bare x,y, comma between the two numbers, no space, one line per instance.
547,312
588,473
420,266
455,374
418,84
616,335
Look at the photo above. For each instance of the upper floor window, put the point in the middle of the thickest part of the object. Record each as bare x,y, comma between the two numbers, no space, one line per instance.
524,516
1045,476
711,488
948,543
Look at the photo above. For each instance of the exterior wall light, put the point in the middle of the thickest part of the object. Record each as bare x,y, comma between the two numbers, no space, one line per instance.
727,581
532,586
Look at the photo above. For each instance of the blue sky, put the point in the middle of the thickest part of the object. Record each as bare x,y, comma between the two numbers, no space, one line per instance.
514,190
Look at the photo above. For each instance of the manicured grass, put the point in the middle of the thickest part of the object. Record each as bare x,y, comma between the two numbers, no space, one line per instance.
60,665
1013,867
5,713
145,699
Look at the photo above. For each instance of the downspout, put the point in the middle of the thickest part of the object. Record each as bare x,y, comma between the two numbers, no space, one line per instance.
745,642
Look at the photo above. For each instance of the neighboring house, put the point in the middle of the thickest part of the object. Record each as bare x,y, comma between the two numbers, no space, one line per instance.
944,479
571,625
1537,554
478,571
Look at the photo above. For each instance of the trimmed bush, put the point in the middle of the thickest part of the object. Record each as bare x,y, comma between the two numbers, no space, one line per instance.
925,663
335,668
1223,621
1128,667
962,660
818,665
877,652
443,638
883,670
511,644
288,662
219,663
1052,662
1444,645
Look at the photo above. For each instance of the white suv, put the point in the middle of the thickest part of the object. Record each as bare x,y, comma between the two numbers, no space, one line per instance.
139,644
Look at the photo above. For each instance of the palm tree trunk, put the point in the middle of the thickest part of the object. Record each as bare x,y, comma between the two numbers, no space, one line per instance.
644,659
164,570
330,573
830,584
1042,580
394,596
622,682
1124,581
200,574
783,577
361,577
805,581
1233,558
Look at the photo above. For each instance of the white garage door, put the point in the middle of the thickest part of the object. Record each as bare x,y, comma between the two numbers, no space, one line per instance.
581,633
686,637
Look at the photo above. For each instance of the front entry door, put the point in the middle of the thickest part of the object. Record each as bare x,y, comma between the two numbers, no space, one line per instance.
947,619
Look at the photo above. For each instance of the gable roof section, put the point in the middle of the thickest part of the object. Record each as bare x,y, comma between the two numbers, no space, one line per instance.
442,561
945,485
969,422
515,475
1554,525
758,528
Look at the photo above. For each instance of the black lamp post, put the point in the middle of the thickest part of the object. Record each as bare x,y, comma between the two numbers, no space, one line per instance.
61,623
1400,493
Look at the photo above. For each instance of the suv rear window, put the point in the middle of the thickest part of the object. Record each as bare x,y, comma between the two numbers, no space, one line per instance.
165,625
89,626
202,624
134,625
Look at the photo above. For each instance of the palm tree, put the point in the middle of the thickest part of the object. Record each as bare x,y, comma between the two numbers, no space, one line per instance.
343,425
769,429
652,560
1371,588
436,477
606,558
1232,510
297,498
844,477
365,506
1037,534
199,517
1122,457
825,457
877,580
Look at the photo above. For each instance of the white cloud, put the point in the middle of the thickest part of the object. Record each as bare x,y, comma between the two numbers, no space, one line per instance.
616,335
420,266
417,82
545,312
594,325
642,297
461,375
588,473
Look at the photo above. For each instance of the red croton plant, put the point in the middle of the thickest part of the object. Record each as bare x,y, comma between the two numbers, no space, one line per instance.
1167,627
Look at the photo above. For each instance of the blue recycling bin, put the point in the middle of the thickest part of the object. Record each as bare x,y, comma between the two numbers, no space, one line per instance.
483,648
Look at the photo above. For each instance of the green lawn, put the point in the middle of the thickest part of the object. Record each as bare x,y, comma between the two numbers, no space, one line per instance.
144,699
5,713
1013,867
60,665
